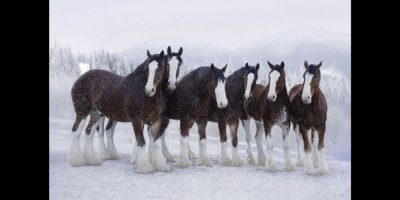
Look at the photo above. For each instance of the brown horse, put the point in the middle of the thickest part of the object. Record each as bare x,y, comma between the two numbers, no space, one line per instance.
136,98
308,114
190,102
239,86
269,106
110,153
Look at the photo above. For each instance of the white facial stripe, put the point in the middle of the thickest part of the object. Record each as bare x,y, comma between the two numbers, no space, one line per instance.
220,94
250,79
274,76
307,86
152,71
173,67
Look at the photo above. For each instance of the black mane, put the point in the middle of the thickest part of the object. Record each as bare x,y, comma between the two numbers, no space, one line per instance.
202,74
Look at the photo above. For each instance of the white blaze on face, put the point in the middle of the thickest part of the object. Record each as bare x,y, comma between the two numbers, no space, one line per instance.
150,88
273,78
250,79
173,68
306,95
220,94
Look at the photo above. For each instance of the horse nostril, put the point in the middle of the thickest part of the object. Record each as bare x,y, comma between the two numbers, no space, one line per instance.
152,90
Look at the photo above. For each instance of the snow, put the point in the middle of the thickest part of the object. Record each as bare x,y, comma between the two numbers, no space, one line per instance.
116,179
84,67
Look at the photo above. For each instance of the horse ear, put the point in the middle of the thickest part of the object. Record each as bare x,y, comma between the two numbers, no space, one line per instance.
246,66
282,64
257,66
169,50
212,66
224,69
162,54
148,53
270,65
306,64
180,51
319,64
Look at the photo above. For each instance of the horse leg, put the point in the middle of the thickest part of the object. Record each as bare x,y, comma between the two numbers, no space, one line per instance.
165,151
142,164
90,156
260,149
308,165
285,136
102,147
112,151
75,156
246,126
157,158
314,142
134,155
223,159
183,158
203,155
296,128
323,167
233,127
151,142
270,164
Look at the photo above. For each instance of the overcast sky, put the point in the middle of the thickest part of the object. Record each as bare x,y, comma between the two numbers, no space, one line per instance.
116,25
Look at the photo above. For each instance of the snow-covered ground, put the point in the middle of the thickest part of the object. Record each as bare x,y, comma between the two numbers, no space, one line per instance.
117,180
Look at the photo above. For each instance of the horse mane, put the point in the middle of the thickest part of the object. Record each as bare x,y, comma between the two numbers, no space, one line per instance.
234,78
199,74
237,74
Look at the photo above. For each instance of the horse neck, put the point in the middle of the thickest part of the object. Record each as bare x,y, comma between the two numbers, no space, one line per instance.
235,86
164,82
317,95
282,96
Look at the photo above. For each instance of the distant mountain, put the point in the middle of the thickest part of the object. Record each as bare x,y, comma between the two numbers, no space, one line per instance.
298,45
293,47
192,50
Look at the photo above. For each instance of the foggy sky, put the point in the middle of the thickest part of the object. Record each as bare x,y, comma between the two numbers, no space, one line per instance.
116,25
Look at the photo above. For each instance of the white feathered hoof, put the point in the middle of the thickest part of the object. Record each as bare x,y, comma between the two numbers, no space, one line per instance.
262,159
205,161
191,155
270,166
235,157
104,156
250,159
158,160
316,162
143,165
183,162
162,166
289,166
237,162
299,163
225,161
134,155
91,159
309,170
75,159
169,156
323,169
114,156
